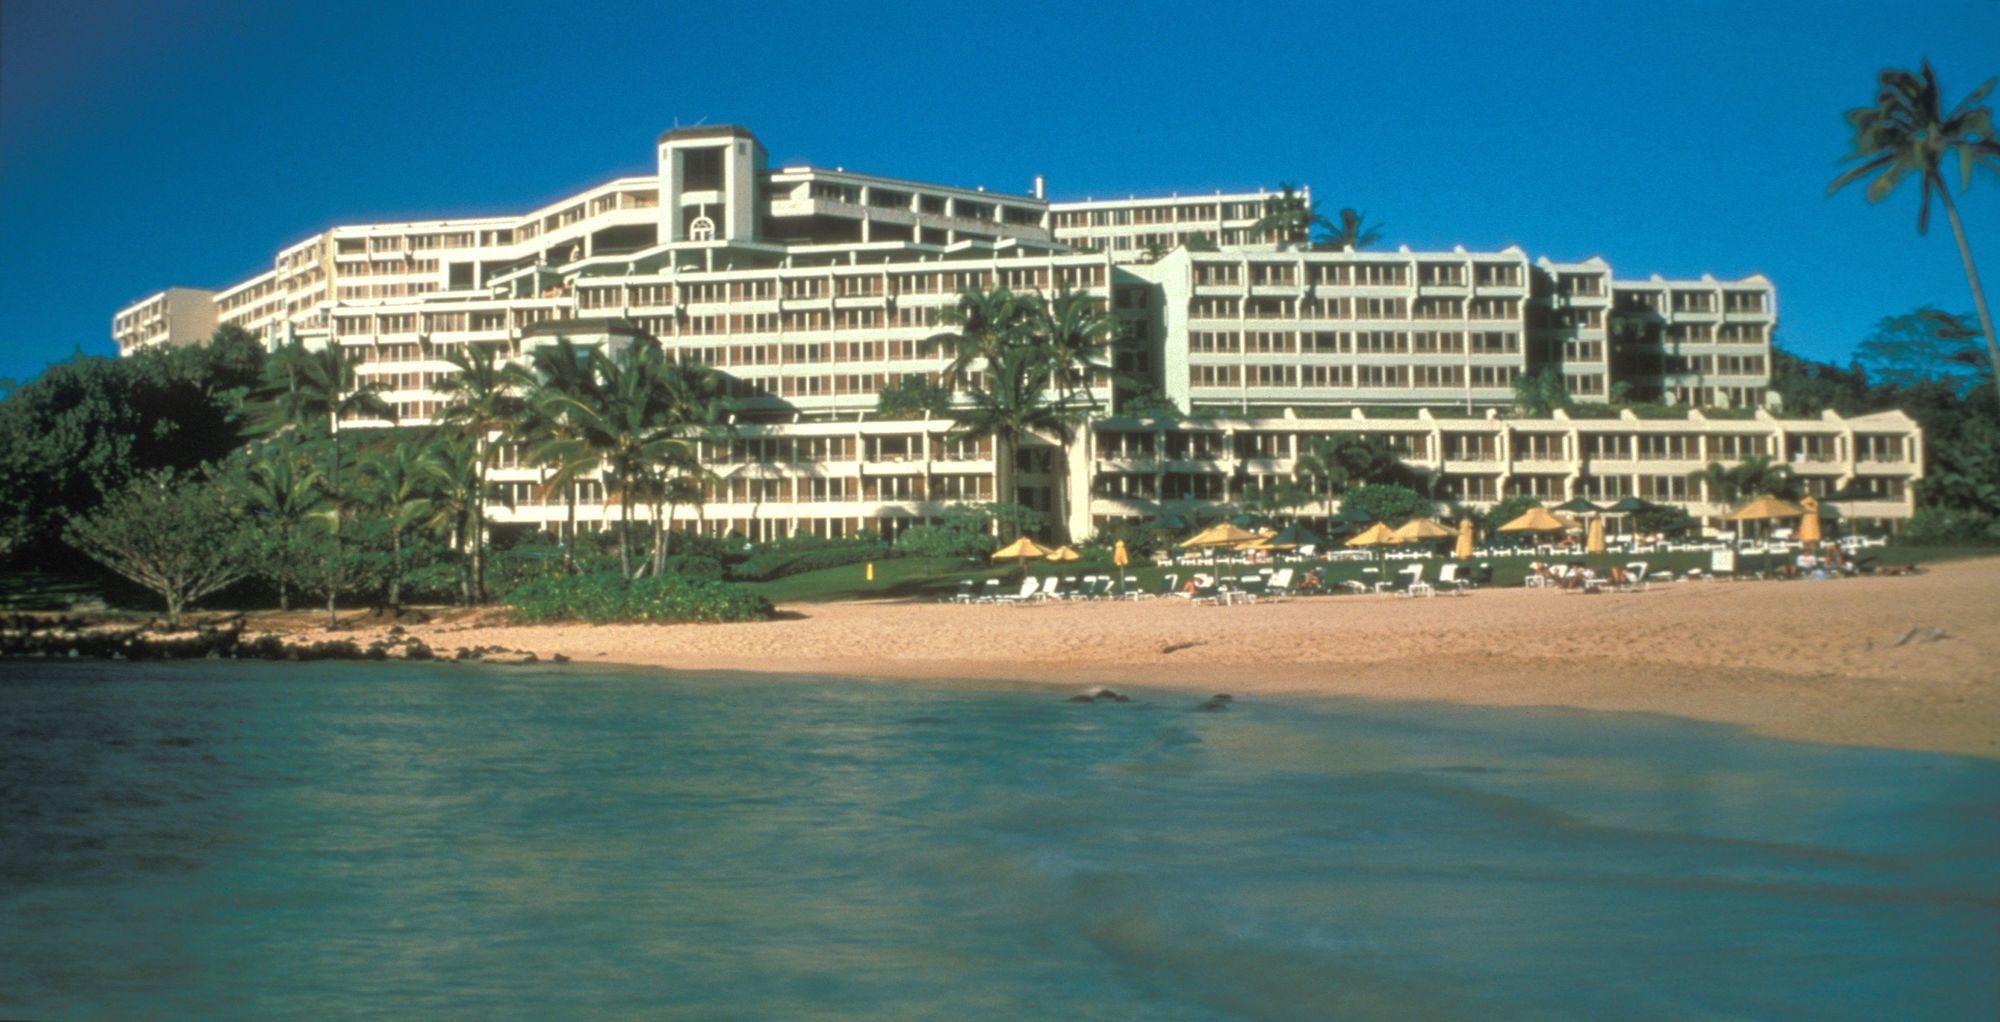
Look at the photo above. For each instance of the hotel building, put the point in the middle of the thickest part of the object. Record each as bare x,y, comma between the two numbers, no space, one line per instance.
810,289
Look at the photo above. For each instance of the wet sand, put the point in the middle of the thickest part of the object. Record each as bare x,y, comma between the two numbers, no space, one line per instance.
1910,662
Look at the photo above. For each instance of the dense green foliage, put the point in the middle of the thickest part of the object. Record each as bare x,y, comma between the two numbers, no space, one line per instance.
606,597
804,553
88,426
1388,502
179,538
913,396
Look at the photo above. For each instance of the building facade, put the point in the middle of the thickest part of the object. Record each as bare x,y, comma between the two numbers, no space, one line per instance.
809,290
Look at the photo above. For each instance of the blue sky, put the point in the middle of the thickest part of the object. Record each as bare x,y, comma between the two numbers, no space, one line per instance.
146,145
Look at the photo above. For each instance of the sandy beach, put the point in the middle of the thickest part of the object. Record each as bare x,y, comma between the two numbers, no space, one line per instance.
1907,662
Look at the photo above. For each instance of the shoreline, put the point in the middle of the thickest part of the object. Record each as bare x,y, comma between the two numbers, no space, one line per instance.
1906,663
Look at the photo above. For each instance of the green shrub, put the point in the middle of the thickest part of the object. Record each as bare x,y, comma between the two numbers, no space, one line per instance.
696,566
801,554
1940,526
603,599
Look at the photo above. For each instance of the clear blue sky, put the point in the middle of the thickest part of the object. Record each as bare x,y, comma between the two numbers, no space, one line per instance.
156,144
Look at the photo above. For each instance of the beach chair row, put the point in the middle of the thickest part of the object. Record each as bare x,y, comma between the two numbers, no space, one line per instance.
1049,588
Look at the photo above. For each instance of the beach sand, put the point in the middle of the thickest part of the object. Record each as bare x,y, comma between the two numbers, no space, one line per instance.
1906,662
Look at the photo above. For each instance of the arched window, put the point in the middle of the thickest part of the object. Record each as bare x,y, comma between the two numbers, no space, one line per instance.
701,229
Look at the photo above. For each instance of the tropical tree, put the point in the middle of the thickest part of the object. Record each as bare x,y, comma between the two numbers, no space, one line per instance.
480,402
451,466
179,538
1906,131
638,417
396,491
984,324
1334,463
1754,476
557,376
1073,333
1351,234
1290,216
281,489
1008,403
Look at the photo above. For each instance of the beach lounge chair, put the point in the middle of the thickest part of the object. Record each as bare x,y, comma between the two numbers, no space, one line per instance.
965,593
990,592
1410,582
1635,576
1132,590
1449,581
1370,577
1170,585
1030,588
1281,582
1051,588
1249,588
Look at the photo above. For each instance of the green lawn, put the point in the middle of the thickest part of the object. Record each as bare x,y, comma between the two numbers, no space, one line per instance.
909,579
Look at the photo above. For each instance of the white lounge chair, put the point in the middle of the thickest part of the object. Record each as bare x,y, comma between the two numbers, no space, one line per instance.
1413,584
1030,588
1448,580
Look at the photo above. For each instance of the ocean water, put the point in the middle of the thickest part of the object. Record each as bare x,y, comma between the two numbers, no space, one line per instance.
237,840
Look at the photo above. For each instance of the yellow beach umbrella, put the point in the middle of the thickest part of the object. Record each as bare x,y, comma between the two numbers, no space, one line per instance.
1064,553
1217,535
1764,508
1418,529
1810,530
1595,543
1535,520
1377,534
1118,555
1022,548
1463,549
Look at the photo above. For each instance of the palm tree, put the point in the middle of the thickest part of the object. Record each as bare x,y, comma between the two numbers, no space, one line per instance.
987,323
281,489
396,488
1350,235
1342,460
1009,403
1289,216
1908,131
481,402
631,425
1073,333
556,375
1755,475
451,465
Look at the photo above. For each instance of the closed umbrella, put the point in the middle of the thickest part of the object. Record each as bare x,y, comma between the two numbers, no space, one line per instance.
1120,558
1810,530
1594,544
1463,550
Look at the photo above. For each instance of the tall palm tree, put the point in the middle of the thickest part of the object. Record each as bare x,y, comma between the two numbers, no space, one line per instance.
1342,460
556,375
1073,333
986,323
451,466
396,488
1352,234
1289,216
1753,476
1010,402
480,402
280,487
630,425
1907,131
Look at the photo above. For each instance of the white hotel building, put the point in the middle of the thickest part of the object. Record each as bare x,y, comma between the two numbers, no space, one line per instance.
810,289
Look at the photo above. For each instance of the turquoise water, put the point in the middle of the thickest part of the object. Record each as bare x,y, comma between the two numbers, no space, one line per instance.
236,840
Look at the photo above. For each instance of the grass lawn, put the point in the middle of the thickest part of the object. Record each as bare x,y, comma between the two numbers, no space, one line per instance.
910,579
